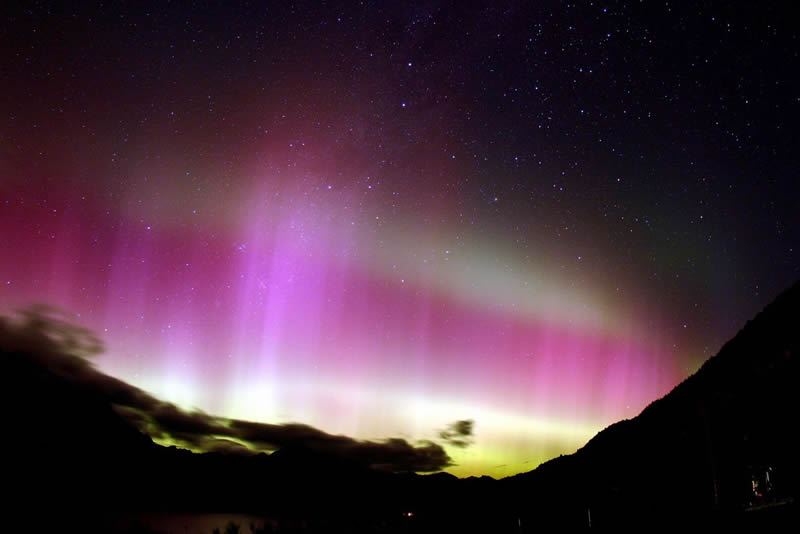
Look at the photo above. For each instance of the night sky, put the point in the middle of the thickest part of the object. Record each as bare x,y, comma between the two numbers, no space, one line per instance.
377,218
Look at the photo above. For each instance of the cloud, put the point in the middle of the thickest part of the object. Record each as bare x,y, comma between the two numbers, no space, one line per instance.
459,433
43,337
226,446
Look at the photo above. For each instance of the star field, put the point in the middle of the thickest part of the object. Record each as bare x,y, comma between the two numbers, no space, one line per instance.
377,218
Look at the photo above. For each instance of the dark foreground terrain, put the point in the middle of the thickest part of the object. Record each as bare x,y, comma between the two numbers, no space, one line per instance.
719,450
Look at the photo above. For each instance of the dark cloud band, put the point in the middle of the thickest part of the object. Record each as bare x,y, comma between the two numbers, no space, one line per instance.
63,349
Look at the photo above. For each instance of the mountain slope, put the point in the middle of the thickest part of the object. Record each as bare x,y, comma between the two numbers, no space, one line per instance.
699,450
702,453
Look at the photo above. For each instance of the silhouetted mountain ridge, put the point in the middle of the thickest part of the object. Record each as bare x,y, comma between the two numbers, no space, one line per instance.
698,452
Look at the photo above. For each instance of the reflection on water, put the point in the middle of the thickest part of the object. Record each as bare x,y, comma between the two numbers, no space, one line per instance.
190,523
